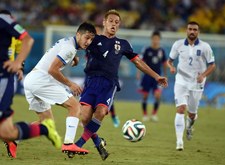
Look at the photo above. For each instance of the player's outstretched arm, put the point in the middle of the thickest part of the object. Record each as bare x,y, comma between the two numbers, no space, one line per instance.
146,69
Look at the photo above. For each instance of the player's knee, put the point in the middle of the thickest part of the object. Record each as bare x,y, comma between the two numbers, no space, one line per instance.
85,121
45,115
100,113
192,116
74,110
181,109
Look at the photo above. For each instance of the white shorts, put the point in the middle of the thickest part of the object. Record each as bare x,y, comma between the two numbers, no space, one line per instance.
184,96
42,91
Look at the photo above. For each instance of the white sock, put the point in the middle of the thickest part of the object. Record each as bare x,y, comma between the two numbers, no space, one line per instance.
71,129
179,127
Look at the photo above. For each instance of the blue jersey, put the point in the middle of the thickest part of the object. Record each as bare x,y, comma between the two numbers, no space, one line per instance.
154,58
10,31
104,56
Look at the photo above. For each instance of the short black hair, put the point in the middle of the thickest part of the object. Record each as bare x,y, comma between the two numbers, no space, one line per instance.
85,26
156,33
193,23
5,12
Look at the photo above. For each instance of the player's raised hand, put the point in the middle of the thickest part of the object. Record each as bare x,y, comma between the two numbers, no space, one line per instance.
162,81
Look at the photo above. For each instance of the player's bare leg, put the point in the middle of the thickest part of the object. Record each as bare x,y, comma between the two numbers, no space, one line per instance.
189,125
115,119
144,107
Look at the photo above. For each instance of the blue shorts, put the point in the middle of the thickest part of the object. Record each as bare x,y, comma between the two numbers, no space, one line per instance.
98,91
148,83
7,91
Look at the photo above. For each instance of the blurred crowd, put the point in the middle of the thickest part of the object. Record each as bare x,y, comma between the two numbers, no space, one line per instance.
165,15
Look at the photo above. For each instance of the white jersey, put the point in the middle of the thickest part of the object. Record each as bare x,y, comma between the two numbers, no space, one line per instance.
192,60
64,49
41,89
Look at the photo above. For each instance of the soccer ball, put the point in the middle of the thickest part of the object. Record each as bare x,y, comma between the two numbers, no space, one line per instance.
133,130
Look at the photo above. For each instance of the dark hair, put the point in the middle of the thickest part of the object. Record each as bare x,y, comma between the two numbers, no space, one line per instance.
84,27
193,23
156,33
5,12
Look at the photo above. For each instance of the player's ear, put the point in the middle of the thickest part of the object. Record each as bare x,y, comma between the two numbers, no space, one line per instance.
78,35
103,22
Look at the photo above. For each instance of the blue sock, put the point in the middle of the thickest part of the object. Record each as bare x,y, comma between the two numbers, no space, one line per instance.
95,138
80,142
89,130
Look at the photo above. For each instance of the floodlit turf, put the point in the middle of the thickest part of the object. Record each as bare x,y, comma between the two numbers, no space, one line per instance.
157,148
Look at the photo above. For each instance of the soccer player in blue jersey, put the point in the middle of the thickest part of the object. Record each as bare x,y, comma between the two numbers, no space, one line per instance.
155,57
101,83
10,66
114,116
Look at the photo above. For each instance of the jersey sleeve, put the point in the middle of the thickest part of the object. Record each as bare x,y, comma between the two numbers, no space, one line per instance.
12,27
173,52
128,51
66,53
209,54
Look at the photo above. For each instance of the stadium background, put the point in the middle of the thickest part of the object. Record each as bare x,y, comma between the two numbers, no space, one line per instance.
169,16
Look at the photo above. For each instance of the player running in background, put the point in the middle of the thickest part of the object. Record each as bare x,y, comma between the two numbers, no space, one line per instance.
46,85
155,57
101,83
196,62
10,66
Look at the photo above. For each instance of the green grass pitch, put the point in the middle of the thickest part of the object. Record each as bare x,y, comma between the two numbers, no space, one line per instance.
157,148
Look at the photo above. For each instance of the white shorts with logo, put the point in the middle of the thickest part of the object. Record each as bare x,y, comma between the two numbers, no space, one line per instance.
190,98
42,91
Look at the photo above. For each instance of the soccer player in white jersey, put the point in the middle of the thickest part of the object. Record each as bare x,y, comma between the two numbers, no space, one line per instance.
46,85
195,62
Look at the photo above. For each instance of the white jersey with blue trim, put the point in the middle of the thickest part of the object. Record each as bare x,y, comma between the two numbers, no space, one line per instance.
192,60
64,49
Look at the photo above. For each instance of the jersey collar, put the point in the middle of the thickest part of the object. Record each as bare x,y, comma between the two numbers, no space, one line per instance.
76,44
186,42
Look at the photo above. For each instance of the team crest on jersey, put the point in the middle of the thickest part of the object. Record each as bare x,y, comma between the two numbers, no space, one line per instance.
69,55
117,47
198,52
160,54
